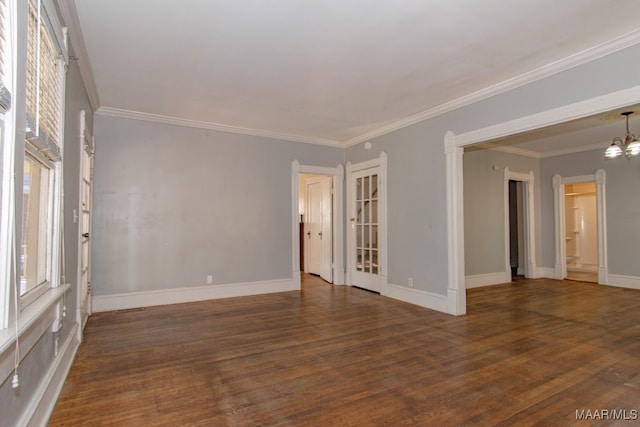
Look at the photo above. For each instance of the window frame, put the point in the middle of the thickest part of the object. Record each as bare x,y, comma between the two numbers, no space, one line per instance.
38,144
7,157
40,288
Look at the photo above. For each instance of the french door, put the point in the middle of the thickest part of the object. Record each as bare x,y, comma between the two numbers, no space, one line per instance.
84,252
365,249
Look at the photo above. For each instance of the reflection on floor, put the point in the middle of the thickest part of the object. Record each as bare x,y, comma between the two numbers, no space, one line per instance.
582,276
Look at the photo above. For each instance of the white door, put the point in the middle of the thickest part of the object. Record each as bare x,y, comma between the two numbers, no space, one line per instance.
318,227
364,250
84,226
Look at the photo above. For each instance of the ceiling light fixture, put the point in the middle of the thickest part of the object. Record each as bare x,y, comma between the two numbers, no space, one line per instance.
629,146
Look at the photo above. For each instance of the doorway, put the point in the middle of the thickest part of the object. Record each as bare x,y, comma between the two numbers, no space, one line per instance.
366,201
83,217
519,189
334,227
516,230
581,234
317,218
581,231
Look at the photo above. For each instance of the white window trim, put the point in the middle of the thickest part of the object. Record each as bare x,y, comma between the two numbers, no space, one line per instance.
43,287
7,157
54,251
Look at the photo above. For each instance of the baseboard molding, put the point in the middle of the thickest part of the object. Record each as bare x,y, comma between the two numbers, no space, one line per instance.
418,297
547,272
478,280
46,396
197,293
632,282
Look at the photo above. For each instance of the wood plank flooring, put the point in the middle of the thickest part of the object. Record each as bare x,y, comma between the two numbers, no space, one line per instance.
528,353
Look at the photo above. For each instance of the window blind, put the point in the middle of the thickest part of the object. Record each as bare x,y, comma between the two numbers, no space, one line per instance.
5,94
45,73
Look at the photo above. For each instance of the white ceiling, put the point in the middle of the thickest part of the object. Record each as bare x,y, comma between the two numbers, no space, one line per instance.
327,71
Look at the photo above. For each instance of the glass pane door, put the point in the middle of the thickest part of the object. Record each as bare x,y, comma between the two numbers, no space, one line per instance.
366,224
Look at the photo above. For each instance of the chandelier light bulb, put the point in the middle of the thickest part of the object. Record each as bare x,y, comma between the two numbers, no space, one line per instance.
629,146
633,149
613,151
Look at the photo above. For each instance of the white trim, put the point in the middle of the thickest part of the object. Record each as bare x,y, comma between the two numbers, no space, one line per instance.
189,294
565,113
556,67
157,118
34,322
337,174
488,279
547,272
453,149
493,146
542,155
559,182
573,150
527,179
46,396
622,281
417,297
70,16
457,300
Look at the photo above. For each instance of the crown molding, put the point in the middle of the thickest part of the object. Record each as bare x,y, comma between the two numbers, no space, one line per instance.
157,118
550,69
561,152
511,150
70,17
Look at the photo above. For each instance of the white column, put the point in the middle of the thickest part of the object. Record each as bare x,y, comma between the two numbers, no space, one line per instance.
456,293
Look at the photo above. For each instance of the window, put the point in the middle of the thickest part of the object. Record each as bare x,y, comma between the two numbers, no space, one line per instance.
45,79
39,261
36,226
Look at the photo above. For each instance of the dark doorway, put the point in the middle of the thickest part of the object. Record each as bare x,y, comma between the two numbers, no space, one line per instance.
516,229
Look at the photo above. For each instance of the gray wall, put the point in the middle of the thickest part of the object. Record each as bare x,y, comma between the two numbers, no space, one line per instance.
39,361
174,204
416,163
622,205
484,225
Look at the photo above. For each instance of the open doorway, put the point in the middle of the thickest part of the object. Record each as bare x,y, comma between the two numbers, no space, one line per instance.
516,230
330,229
316,215
581,231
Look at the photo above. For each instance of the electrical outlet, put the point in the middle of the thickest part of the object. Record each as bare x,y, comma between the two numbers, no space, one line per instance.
410,282
209,279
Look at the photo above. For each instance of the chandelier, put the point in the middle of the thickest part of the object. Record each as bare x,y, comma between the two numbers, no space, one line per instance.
629,146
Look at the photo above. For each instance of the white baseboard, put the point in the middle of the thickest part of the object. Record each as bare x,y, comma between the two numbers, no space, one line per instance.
46,396
191,294
547,272
418,297
632,282
478,280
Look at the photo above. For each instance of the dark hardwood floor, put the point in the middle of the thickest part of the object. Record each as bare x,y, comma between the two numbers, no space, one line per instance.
528,353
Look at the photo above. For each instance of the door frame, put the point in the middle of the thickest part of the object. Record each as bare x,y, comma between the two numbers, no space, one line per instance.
380,162
337,175
454,150
87,144
317,179
528,186
559,182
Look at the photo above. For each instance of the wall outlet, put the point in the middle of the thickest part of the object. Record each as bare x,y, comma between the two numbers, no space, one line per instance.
410,282
209,279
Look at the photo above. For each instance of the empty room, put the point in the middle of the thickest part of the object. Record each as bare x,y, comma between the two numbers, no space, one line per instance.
319,212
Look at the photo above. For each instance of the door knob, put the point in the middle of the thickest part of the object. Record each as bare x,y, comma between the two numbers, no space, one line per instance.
320,234
309,234
85,235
